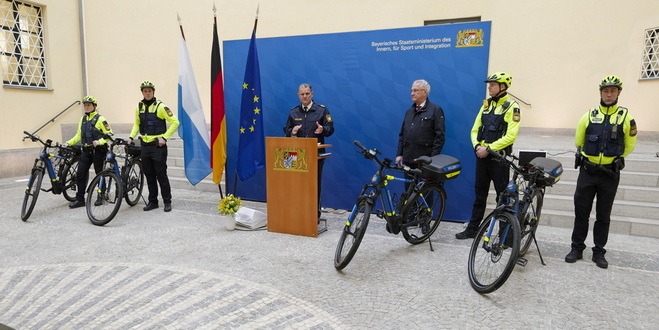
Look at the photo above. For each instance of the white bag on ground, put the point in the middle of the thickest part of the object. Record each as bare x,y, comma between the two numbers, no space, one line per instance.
250,218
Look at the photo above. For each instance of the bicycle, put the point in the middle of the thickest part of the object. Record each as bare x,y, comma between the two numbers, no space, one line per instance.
106,191
506,234
61,169
418,212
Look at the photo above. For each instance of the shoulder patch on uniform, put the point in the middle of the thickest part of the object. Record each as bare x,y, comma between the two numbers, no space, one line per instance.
516,115
328,118
106,125
169,112
632,128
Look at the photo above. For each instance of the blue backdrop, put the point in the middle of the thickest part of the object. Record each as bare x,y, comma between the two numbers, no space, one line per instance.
364,79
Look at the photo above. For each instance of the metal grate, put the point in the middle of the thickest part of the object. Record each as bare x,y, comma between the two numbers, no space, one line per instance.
650,65
22,57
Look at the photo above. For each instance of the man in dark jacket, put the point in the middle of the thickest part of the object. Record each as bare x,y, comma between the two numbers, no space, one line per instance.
422,132
312,120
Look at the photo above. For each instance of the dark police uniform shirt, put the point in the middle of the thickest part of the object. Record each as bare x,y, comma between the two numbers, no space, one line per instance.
316,113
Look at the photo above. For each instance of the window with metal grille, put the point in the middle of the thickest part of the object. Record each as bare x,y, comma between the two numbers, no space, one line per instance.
650,66
22,56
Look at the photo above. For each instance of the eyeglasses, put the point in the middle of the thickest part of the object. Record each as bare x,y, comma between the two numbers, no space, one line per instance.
418,90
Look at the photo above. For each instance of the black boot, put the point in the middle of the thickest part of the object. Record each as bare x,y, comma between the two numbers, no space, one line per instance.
467,233
151,206
76,204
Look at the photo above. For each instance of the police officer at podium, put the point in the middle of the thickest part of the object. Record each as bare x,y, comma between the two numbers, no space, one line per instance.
312,120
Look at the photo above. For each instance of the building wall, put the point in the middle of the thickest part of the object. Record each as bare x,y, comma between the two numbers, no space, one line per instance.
28,109
557,51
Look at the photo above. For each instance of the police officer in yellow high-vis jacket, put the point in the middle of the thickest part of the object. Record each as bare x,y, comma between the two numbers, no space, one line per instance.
604,136
495,128
151,118
91,129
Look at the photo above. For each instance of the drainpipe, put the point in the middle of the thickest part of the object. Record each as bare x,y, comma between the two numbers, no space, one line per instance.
83,46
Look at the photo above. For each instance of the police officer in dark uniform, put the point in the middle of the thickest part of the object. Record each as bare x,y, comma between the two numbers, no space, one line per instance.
604,136
310,119
91,130
151,118
495,128
422,132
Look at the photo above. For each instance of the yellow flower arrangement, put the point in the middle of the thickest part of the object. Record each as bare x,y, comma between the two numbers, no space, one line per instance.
229,205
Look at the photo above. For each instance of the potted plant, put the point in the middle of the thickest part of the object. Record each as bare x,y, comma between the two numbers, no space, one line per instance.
228,207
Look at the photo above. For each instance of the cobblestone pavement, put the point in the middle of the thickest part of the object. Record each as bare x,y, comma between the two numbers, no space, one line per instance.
183,270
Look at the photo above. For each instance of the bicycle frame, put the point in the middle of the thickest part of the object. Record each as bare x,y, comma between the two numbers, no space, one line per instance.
509,200
45,156
378,188
111,163
379,184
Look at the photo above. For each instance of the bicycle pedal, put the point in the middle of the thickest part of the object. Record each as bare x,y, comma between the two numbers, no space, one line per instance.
379,214
521,261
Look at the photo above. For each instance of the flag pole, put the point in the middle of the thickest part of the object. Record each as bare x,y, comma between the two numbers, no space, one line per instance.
180,25
257,16
219,185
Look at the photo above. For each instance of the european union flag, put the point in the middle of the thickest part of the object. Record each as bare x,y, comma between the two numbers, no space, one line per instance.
251,145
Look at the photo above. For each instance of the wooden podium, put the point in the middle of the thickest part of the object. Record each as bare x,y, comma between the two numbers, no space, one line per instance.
292,184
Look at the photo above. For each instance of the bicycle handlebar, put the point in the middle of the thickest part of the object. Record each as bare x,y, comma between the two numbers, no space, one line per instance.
503,157
117,141
34,138
386,163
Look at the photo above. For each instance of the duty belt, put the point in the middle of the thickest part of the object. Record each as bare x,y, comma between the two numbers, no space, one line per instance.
593,168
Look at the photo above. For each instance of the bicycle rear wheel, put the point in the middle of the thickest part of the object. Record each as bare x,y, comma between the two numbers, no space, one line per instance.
104,198
133,179
530,220
31,192
421,221
69,180
491,260
352,234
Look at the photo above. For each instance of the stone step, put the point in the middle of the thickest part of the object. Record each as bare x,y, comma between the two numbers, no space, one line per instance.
625,192
206,185
632,163
556,216
619,224
621,207
627,177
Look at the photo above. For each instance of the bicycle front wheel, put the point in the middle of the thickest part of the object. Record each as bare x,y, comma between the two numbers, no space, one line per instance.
69,180
104,198
423,213
492,257
31,192
352,234
530,220
133,179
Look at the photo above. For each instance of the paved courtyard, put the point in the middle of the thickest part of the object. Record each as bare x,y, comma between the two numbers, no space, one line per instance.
183,270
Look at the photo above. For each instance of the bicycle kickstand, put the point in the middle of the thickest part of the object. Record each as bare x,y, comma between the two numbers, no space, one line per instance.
430,242
537,247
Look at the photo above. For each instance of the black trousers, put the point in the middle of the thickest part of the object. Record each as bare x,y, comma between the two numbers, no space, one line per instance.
154,163
487,170
591,183
88,157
